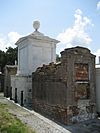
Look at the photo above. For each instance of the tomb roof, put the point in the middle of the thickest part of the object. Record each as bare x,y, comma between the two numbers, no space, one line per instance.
37,35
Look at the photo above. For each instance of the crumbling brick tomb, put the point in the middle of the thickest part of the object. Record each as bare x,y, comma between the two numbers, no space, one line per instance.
65,92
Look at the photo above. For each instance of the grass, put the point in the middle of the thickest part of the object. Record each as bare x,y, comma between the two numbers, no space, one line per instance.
10,124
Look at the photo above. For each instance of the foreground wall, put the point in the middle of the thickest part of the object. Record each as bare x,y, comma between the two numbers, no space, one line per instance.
98,89
65,92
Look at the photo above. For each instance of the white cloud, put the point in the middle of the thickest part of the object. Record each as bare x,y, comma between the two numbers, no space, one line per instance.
13,37
9,40
98,5
2,43
76,35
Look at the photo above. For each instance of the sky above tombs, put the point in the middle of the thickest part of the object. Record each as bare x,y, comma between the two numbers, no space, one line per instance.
72,22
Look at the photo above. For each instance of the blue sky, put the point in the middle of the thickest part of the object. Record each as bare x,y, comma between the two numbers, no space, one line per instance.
73,22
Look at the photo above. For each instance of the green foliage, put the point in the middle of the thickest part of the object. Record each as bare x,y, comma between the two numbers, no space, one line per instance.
8,57
2,59
11,55
10,124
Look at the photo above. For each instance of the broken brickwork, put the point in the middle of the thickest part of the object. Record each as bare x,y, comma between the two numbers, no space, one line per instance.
65,92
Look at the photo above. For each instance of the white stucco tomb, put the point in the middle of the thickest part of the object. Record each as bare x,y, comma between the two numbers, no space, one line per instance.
34,50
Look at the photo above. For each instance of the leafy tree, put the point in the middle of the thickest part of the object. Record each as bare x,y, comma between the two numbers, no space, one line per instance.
11,55
8,57
2,60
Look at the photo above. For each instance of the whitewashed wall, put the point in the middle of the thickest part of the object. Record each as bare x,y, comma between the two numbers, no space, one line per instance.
22,83
33,53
